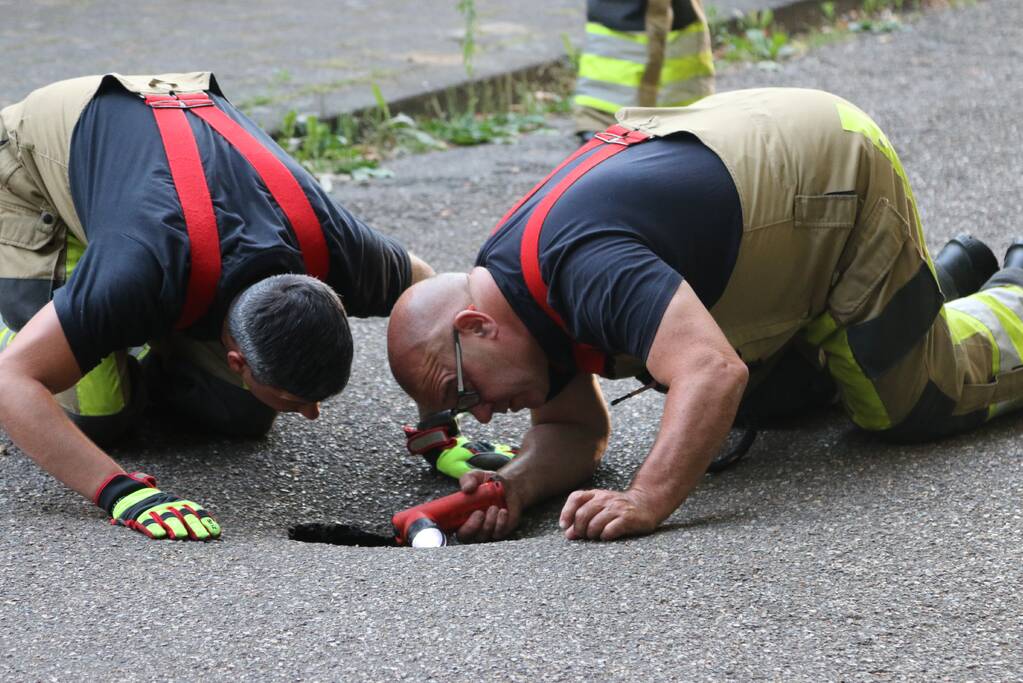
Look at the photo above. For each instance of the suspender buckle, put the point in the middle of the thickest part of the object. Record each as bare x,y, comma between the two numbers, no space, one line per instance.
619,135
611,138
176,101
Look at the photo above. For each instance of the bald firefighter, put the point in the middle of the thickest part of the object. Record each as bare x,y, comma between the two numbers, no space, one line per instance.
696,248
147,212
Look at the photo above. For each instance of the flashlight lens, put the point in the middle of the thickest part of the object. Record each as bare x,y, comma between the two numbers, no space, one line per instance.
430,537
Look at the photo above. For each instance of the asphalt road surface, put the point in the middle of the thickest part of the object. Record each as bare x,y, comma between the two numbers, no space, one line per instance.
826,555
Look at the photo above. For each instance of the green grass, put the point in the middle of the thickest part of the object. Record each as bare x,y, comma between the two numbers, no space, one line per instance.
353,147
755,37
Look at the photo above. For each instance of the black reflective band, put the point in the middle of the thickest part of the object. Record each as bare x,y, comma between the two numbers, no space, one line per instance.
116,489
878,344
158,498
932,417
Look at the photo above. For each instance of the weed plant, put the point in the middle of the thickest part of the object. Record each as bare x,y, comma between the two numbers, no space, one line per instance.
353,146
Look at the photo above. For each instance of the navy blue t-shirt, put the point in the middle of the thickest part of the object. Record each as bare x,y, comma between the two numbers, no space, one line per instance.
129,286
617,245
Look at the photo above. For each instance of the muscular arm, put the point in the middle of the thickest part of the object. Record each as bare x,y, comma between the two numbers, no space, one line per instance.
564,445
706,380
558,453
37,364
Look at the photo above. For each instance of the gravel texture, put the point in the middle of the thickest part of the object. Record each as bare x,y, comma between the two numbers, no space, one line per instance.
826,555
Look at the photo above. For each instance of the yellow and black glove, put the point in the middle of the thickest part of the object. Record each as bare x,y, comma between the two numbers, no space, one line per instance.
440,441
132,500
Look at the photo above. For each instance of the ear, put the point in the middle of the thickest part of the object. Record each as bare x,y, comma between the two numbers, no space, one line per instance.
476,323
236,361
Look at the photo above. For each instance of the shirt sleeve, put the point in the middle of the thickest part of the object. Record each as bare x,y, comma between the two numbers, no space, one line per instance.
612,291
112,305
373,269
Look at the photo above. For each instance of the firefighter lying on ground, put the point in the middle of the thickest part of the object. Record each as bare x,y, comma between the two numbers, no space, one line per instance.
698,248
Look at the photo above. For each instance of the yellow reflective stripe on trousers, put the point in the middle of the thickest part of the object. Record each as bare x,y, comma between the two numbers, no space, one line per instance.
859,396
856,121
1004,302
7,335
100,392
963,326
686,68
624,72
858,393
1006,320
75,249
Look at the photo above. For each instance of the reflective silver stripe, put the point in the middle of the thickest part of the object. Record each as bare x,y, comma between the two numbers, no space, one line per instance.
615,48
684,45
623,95
681,93
1012,299
976,308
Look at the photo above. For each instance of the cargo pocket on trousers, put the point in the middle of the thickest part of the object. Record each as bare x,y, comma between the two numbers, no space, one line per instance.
824,223
873,253
30,250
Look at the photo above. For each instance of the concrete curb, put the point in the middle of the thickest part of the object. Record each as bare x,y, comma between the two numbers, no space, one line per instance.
792,16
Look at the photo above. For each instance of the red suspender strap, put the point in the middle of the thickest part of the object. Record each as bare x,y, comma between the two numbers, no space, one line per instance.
282,185
615,139
575,155
196,205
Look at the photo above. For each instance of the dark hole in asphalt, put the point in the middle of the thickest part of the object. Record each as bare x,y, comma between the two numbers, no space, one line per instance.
338,534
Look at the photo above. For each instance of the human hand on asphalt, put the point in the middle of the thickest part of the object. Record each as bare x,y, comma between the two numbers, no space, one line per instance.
494,523
598,514
132,500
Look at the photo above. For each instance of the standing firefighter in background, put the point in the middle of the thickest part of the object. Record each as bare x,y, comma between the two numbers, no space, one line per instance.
139,209
651,53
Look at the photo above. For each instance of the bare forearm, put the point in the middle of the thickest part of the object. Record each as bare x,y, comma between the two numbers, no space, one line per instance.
697,417
38,426
555,459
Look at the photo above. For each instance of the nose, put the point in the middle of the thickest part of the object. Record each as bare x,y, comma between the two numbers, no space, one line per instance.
310,411
482,412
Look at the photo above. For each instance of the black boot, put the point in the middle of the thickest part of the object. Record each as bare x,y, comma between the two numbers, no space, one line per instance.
1012,267
964,264
1014,254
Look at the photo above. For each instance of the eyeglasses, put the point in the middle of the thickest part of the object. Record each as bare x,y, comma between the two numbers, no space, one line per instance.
464,399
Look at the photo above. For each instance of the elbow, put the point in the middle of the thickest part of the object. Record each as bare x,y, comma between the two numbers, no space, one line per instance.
733,375
738,373
601,434
9,381
421,270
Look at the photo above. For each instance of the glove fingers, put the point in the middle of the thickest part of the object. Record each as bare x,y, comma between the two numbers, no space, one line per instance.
168,519
149,526
195,519
195,530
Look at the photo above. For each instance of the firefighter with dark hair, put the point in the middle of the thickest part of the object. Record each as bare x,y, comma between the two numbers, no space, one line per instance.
147,214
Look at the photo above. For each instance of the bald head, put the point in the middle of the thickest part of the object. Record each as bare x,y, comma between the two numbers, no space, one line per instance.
420,326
